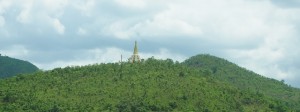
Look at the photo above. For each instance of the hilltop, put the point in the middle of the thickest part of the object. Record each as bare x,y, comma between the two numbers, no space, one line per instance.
225,71
10,67
201,83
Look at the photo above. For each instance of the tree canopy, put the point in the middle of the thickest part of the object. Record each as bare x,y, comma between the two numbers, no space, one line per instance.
152,85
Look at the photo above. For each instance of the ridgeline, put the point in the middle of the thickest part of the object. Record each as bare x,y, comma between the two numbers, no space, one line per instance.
10,67
201,83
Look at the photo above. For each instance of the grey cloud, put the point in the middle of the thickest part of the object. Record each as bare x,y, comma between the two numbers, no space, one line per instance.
287,3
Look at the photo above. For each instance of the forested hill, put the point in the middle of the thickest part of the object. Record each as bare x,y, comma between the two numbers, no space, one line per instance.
11,67
152,85
225,71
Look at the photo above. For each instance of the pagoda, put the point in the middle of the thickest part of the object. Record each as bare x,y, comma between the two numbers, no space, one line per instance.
135,58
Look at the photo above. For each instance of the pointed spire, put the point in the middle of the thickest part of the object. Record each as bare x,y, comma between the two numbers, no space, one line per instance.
135,48
135,57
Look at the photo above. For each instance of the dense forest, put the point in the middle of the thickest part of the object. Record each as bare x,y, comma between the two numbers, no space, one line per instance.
225,71
201,83
11,67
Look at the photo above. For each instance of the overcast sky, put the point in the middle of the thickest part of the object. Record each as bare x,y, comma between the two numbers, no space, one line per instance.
260,35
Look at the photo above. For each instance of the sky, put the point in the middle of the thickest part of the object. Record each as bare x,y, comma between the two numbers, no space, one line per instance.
260,35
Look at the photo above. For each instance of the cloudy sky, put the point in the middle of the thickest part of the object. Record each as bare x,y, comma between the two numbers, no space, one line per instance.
260,35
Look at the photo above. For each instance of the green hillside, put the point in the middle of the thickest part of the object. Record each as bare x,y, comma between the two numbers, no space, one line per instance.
11,67
152,85
244,79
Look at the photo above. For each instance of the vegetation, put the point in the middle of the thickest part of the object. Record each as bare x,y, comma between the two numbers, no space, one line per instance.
225,71
11,67
152,85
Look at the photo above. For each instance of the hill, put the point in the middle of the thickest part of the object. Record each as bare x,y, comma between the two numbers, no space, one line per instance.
152,85
244,79
11,67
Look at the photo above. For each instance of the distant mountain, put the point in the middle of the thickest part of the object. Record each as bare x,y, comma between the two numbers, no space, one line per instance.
11,67
202,83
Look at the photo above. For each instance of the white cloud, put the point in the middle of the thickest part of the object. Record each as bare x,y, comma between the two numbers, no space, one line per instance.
258,35
60,28
24,16
36,11
17,51
86,57
4,4
160,25
235,19
278,46
55,4
117,29
86,7
164,26
54,7
138,4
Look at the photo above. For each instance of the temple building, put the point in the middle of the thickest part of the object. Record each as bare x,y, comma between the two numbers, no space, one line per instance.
135,58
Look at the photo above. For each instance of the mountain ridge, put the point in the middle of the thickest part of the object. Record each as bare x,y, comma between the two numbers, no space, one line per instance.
11,66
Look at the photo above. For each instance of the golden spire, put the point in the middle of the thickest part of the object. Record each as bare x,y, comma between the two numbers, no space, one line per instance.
135,48
135,57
